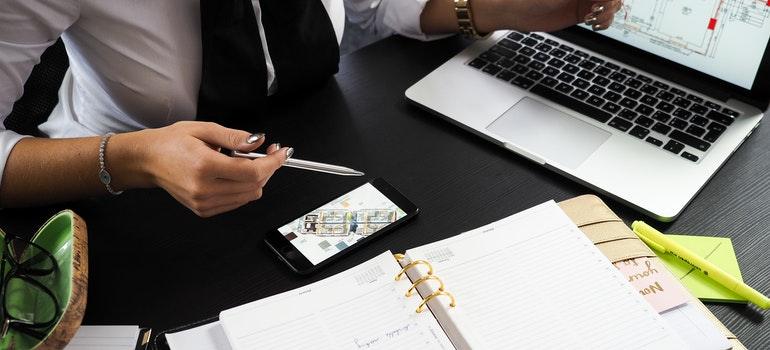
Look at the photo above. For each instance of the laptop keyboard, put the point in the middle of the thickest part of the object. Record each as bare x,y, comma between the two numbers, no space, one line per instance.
664,116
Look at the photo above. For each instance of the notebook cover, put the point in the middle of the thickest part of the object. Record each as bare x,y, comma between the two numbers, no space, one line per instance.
616,240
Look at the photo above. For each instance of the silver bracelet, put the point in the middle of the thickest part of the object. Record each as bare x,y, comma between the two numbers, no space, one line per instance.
104,175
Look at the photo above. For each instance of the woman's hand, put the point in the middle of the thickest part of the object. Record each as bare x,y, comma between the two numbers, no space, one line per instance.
184,159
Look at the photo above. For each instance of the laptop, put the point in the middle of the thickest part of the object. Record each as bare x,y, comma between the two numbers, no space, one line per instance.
646,111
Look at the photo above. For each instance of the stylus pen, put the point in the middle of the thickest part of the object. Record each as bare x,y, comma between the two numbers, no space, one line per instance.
306,164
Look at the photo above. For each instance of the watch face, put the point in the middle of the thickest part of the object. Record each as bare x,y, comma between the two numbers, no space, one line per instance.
105,177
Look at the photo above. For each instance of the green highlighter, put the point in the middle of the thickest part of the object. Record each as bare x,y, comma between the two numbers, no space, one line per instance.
662,243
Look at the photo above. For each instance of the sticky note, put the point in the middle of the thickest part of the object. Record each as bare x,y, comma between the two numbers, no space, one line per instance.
658,287
718,250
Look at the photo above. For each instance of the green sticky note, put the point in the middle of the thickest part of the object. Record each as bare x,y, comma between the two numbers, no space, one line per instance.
718,250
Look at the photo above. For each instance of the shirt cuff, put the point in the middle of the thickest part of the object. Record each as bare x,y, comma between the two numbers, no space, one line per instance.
403,17
8,140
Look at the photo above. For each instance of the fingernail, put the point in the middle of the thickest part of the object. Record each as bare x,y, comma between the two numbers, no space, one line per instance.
598,27
289,152
597,9
590,19
277,146
255,137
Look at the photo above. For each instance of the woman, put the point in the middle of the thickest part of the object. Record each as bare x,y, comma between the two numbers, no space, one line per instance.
147,70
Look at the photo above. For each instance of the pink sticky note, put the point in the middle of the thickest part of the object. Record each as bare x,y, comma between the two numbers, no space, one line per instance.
654,282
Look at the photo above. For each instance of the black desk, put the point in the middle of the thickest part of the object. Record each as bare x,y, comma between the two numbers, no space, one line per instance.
154,263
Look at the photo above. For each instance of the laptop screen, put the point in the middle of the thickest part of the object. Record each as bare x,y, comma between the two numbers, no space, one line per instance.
723,38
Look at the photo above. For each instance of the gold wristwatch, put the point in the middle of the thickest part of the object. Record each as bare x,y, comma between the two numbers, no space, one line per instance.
465,19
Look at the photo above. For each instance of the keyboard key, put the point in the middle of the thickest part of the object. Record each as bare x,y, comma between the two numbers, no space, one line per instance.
576,105
534,75
520,69
660,85
665,107
689,156
611,107
679,92
506,75
527,51
596,60
522,59
673,147
678,123
635,94
566,48
522,82
695,130
506,63
644,110
661,116
571,69
661,128
694,98
619,77
536,36
503,51
529,42
555,62
572,59
628,72
612,96
515,36
665,96
477,63
550,82
510,45
713,105
567,78
639,132
492,69
620,124
490,56
717,127
587,65
681,113
564,88
628,114
611,65
700,109
649,100
543,47
690,140
603,71
550,71
601,81
644,79
552,42
719,117
633,83
580,83
730,112
559,53
654,141
617,87
681,102
628,103
644,121
712,136
586,75
597,90
649,89
595,101
699,120
541,57
581,54
536,65
579,94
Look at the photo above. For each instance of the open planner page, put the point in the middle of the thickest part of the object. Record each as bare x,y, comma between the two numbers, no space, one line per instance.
535,281
361,308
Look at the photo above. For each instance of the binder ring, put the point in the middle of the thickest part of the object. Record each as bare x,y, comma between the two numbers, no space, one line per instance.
437,293
413,264
423,279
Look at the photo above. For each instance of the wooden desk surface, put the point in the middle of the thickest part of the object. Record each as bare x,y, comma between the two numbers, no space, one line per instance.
155,264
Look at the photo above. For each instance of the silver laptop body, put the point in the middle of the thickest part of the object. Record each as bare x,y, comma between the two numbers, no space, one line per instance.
600,154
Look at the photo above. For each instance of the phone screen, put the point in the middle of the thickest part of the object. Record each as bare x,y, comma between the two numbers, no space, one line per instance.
341,223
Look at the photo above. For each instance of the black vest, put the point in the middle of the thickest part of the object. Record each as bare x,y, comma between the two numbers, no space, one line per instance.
302,45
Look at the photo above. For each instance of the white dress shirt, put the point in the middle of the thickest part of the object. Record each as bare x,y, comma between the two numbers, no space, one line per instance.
137,64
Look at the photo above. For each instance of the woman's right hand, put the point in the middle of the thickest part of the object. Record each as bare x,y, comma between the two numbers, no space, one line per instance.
184,159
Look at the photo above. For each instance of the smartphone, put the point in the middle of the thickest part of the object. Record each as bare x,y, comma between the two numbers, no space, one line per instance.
334,229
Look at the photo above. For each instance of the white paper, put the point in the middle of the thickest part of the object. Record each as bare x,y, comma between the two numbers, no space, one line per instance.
535,281
104,338
695,328
210,336
361,308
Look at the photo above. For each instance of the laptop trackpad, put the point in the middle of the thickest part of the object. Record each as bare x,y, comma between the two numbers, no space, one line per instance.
542,130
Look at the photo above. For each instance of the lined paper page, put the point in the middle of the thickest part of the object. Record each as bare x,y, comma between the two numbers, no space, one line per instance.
210,336
104,338
362,308
534,280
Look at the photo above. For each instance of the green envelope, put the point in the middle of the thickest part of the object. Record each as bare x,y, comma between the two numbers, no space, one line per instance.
56,236
717,250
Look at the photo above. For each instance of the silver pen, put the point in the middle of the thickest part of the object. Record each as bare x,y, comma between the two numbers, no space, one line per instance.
306,164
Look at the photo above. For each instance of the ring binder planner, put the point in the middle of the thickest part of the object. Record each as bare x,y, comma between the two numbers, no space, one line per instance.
413,264
429,276
422,279
437,293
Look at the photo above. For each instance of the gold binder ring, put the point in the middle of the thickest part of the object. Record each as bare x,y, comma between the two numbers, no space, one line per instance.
437,293
413,264
423,279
